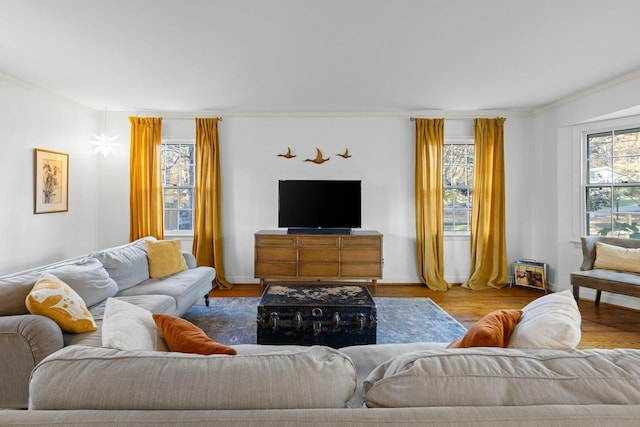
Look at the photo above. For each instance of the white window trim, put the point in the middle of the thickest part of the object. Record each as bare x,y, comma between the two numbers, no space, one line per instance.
468,140
580,133
178,233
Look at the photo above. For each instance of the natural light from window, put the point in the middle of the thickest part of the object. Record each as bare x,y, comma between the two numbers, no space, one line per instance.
178,184
458,161
612,189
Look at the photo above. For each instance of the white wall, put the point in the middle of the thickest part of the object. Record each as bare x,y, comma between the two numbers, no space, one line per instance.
30,118
382,151
556,223
383,158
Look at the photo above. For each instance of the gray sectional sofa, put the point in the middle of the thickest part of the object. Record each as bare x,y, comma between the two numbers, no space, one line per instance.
398,384
74,381
26,339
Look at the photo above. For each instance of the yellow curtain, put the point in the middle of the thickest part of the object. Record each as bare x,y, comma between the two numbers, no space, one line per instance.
145,196
489,267
207,229
428,189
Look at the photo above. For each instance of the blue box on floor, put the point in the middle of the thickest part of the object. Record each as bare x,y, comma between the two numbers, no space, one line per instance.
331,315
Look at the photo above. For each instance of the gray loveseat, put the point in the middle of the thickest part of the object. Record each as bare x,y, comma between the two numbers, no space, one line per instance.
26,339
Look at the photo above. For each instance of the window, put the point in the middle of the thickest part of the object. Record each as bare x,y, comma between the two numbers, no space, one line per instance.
612,183
178,186
458,184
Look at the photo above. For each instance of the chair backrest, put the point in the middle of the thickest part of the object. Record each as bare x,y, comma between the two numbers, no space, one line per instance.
589,247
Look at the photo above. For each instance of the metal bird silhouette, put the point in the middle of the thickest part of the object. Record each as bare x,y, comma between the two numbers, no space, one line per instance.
288,154
346,154
318,160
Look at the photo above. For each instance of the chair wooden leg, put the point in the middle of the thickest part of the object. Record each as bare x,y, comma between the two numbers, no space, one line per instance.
598,293
576,293
206,299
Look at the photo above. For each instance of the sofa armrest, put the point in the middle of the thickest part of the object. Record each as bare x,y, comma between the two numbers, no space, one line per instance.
190,259
25,340
588,252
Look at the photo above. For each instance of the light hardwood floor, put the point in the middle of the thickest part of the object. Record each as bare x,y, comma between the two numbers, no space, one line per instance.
605,326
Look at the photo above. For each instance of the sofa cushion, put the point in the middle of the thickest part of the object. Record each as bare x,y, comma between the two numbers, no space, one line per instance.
152,303
129,327
126,264
551,321
611,257
314,377
367,357
53,298
88,278
493,330
184,287
165,258
185,337
14,290
15,287
506,377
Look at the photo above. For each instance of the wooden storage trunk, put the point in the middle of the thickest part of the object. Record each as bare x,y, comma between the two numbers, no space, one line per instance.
332,315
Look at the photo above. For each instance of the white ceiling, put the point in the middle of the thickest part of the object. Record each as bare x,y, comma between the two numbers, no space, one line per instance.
318,55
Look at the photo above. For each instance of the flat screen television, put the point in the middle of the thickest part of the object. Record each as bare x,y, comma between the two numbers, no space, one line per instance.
319,206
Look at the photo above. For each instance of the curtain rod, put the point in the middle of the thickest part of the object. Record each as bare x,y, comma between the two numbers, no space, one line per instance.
413,119
189,118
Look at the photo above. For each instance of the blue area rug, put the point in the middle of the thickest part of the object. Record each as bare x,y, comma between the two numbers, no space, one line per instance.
400,320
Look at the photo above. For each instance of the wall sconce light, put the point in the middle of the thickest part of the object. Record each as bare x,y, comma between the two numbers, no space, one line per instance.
104,143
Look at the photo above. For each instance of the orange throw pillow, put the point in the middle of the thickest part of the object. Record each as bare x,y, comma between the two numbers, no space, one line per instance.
493,330
185,337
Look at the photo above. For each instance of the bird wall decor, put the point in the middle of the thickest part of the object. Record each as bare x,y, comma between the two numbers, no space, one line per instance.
288,154
318,160
345,155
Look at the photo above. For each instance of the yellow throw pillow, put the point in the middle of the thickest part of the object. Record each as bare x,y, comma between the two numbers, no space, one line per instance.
611,257
165,258
53,298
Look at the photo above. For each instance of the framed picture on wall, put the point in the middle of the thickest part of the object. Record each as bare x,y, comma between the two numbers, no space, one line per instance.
51,182
530,273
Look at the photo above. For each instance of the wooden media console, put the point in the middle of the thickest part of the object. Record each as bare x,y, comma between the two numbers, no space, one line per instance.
309,258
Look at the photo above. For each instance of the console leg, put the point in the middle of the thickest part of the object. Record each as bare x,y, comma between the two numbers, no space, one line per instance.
598,294
576,293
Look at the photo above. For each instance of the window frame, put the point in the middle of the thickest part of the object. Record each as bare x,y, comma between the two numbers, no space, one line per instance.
611,185
469,141
581,133
179,141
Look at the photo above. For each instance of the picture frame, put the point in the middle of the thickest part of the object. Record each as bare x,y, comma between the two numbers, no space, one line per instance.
530,273
51,181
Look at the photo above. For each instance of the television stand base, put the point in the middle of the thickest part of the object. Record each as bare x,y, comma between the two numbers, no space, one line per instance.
328,230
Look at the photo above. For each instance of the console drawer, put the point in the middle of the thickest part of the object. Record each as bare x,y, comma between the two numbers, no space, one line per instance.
276,270
318,255
317,270
276,254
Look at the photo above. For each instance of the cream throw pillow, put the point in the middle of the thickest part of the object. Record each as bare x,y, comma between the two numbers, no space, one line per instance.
552,321
128,327
165,258
53,298
611,257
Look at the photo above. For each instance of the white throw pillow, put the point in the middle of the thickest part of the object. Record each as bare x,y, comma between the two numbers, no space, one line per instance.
128,327
611,257
552,321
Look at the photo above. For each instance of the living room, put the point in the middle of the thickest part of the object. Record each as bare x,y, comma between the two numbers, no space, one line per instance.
300,76
542,151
